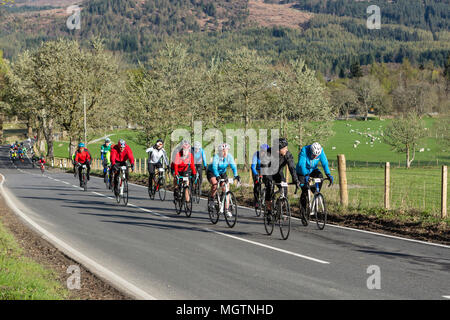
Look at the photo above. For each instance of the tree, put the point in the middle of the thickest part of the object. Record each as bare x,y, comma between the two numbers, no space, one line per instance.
343,99
369,93
355,70
404,134
302,99
3,71
247,75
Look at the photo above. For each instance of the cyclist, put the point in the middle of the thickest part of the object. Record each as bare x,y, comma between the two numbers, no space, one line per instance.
199,159
105,148
156,156
256,168
274,170
307,167
120,153
83,156
218,170
41,161
20,154
183,165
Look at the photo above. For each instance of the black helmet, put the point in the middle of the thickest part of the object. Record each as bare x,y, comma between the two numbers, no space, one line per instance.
282,142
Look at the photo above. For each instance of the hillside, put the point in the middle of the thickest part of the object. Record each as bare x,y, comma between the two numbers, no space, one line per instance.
329,35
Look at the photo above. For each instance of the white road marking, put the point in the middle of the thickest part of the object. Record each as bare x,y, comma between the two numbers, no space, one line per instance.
269,247
446,297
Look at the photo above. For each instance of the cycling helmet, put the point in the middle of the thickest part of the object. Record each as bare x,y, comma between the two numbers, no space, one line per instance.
197,145
316,149
264,147
224,146
107,140
122,143
185,144
81,145
282,142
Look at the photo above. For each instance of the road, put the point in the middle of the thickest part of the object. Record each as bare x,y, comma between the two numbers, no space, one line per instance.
170,256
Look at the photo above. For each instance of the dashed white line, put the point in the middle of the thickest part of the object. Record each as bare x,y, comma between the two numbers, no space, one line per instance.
269,247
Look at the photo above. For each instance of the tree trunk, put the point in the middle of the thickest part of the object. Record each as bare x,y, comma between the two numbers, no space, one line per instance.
48,133
407,157
29,127
1,128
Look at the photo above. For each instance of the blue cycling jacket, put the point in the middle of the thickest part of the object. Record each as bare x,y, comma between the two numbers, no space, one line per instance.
306,165
219,165
256,163
199,157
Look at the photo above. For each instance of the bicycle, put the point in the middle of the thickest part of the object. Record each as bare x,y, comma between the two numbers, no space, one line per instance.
42,168
121,189
224,200
83,181
158,185
261,195
197,189
107,178
281,212
180,199
315,207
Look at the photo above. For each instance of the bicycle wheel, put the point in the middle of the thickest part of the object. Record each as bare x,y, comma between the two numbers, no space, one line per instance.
177,202
125,192
196,192
117,189
106,179
268,225
231,213
84,181
284,218
162,189
214,213
320,211
187,204
261,202
151,189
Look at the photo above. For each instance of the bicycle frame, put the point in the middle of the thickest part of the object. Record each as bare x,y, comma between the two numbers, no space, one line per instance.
221,202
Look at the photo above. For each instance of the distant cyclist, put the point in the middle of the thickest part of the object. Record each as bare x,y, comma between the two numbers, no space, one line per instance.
105,149
183,165
199,159
83,156
157,157
256,170
120,153
279,158
218,170
307,167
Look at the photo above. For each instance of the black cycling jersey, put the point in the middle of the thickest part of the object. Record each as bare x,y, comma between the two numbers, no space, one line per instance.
269,172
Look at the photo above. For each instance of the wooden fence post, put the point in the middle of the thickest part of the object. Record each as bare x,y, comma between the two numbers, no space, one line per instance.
342,180
444,193
387,185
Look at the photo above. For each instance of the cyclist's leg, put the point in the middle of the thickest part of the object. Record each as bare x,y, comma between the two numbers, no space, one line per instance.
304,187
268,181
151,174
213,181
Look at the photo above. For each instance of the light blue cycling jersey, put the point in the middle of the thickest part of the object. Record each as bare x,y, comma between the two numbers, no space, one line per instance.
256,163
306,165
219,165
199,157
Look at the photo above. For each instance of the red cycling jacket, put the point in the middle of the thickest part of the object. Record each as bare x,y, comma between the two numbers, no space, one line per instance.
182,164
83,155
117,156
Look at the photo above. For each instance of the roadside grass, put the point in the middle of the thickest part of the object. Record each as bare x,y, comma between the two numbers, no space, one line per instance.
23,279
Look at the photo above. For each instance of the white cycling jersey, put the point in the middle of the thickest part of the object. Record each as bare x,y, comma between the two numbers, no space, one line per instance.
155,155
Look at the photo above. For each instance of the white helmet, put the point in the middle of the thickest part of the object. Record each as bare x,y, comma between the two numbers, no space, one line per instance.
197,145
224,146
316,149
